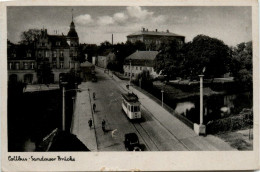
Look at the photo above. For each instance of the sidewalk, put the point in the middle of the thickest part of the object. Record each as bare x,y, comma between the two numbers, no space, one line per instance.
176,127
79,126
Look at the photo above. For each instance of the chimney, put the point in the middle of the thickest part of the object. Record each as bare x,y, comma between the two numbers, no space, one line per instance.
167,31
143,29
156,30
146,30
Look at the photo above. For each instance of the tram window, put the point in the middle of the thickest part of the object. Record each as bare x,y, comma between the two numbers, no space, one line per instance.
132,108
136,109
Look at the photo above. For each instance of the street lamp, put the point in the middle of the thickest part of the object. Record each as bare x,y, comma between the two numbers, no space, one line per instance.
130,72
63,104
162,97
140,83
200,129
162,91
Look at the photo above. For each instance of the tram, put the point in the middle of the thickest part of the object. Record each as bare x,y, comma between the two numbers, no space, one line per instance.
131,106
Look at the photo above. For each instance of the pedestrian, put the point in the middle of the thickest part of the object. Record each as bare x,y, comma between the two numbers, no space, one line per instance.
104,125
94,95
90,123
94,107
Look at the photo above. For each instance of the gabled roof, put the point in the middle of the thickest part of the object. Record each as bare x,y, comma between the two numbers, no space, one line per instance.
143,55
154,33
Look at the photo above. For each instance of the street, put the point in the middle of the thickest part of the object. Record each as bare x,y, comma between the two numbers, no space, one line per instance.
151,128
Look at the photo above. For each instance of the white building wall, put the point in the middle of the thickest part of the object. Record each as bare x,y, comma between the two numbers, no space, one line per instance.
139,69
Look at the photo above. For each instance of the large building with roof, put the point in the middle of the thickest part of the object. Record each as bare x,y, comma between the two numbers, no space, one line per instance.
140,61
152,39
60,52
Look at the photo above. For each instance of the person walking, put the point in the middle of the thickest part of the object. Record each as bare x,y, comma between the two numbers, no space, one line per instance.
94,95
104,125
94,107
90,123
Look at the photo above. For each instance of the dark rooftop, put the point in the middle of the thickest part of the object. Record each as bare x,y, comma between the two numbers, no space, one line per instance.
156,33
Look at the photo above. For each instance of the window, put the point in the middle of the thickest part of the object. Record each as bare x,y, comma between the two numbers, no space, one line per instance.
128,74
54,54
61,53
140,68
46,54
133,74
32,65
17,65
10,65
25,65
136,109
54,65
136,68
29,55
54,59
61,65
58,43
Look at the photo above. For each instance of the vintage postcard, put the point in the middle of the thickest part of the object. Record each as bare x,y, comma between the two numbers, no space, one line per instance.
129,85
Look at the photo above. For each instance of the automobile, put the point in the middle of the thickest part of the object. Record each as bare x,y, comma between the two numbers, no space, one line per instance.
132,142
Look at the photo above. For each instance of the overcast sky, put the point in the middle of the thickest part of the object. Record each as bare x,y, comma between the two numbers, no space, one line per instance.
95,24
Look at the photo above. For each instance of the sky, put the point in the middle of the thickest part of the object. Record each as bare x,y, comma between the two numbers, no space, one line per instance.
96,24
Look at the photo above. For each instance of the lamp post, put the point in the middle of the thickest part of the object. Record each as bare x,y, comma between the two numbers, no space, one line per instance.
162,97
130,72
201,99
200,129
63,105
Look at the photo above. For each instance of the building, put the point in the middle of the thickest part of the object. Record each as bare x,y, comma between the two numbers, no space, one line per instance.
153,39
102,61
140,61
21,63
60,52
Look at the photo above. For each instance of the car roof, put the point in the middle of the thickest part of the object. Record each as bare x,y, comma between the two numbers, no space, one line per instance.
131,136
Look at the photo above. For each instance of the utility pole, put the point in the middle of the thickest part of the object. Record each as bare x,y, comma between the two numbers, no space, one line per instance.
130,73
200,129
201,99
63,108
162,97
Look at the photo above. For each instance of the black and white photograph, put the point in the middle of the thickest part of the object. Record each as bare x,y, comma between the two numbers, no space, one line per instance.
129,78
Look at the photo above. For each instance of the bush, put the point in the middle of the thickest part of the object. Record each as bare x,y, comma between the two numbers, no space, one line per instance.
233,123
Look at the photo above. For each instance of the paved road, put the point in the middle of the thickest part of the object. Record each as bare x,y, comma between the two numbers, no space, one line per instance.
157,130
152,134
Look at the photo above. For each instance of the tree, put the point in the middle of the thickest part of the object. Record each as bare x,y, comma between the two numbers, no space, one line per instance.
205,52
241,63
29,36
145,79
169,60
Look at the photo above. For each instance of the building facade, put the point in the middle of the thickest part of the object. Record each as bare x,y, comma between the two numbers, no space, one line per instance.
60,52
153,39
102,61
140,61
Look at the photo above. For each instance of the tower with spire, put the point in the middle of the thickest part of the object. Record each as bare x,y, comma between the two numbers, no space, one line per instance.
72,36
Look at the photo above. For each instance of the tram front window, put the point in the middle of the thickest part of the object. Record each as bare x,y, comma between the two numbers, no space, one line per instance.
135,108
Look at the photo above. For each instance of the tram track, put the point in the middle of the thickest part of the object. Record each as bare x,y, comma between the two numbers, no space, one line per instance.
150,114
147,138
138,125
